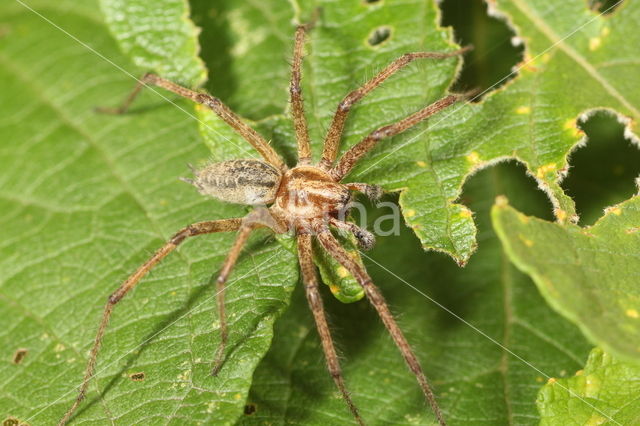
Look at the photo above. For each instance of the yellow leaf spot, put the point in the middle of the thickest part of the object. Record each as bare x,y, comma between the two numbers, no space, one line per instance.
465,212
528,63
539,379
59,347
605,31
523,110
342,272
237,396
614,210
527,242
595,420
474,158
594,43
173,293
502,201
569,124
334,289
592,386
421,163
632,313
163,202
546,58
560,214
410,213
543,170
551,381
579,372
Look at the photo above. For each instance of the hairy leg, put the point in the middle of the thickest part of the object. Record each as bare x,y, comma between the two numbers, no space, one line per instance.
227,266
334,134
189,231
315,304
372,292
297,104
373,192
356,152
366,240
215,104
260,217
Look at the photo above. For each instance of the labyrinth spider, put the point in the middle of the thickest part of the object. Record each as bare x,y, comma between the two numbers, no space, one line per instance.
305,200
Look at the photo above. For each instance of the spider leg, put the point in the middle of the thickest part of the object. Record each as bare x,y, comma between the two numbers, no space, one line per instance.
373,192
334,134
297,104
366,240
199,228
315,304
215,104
229,263
260,217
356,152
375,297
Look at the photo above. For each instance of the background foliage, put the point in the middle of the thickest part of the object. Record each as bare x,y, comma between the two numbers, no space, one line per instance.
85,198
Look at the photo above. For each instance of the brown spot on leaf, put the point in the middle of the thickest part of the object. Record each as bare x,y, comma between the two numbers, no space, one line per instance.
137,377
12,421
379,36
19,355
249,409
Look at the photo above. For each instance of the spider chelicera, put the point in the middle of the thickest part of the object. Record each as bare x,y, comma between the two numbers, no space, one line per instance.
306,200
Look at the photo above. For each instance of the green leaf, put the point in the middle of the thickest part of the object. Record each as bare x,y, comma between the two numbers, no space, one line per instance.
158,36
579,62
590,275
341,283
342,58
246,45
85,199
608,385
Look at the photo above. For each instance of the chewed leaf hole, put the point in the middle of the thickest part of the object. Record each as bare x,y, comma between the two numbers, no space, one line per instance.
379,36
603,171
137,377
497,49
604,6
12,421
19,355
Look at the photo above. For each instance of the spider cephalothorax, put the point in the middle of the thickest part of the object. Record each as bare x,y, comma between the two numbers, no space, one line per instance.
307,200
307,193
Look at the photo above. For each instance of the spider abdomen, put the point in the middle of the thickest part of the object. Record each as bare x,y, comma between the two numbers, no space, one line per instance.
239,181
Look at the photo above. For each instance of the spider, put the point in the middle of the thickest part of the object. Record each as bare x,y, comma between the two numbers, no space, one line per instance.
306,200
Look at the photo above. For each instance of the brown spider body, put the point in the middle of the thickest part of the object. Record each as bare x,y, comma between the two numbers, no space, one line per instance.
308,193
306,199
251,182
301,197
